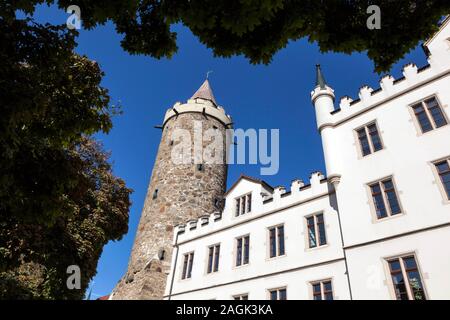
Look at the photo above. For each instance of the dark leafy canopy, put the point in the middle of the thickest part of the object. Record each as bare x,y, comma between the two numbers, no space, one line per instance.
59,200
34,257
259,28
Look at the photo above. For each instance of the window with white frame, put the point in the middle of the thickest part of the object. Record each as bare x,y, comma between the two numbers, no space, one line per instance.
276,241
406,278
243,204
242,250
213,258
278,294
316,230
385,199
322,290
188,262
429,115
369,139
243,296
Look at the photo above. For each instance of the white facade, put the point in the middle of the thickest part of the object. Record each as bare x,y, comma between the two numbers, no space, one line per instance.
357,240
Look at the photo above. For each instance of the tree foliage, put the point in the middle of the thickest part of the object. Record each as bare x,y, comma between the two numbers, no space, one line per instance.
260,28
59,200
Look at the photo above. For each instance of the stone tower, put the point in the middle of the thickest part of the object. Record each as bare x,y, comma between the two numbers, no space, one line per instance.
177,191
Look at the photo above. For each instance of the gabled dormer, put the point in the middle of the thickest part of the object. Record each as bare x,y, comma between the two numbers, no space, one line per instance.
245,196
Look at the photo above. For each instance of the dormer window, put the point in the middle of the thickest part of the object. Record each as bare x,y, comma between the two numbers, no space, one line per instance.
243,204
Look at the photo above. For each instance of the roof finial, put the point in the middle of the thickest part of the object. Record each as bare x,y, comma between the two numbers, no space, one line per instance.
207,74
320,79
205,91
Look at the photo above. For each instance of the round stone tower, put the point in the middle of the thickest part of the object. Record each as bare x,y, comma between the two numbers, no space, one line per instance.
188,181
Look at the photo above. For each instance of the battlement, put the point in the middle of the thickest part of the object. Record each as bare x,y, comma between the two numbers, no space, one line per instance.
438,66
262,204
199,105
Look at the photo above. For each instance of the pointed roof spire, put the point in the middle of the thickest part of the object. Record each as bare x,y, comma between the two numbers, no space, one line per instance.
320,79
205,92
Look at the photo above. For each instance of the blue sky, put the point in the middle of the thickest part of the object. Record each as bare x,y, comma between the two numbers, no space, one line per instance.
273,96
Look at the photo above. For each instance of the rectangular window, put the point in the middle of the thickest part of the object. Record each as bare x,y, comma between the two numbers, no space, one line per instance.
277,294
241,296
316,230
443,169
385,198
322,290
243,205
406,278
276,241
187,265
213,258
429,115
369,139
242,250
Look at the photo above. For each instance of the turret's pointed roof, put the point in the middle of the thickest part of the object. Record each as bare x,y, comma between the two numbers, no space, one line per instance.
205,92
320,79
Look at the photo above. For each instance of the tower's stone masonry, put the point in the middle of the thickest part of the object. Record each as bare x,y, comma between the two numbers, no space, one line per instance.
176,193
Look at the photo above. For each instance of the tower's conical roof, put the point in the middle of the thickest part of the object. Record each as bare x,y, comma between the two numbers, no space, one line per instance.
320,79
205,92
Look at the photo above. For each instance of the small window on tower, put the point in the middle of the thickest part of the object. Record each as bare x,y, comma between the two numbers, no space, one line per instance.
200,167
155,194
171,143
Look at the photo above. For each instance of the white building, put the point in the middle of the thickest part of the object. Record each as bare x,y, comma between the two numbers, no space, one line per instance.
377,227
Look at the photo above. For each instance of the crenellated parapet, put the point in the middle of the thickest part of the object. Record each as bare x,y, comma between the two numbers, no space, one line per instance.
202,106
299,191
390,88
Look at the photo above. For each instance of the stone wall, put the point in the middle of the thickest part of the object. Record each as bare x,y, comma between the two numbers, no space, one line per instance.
185,191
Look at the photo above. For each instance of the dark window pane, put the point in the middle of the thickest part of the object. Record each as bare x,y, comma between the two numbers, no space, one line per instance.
216,258
190,264
246,249
374,135
273,295
244,297
243,205
316,288
399,286
210,259
364,142
317,297
237,207
273,244
183,276
378,200
442,166
282,294
328,296
391,197
436,112
311,232
249,202
281,240
327,286
394,265
410,263
239,252
415,284
422,118
321,228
